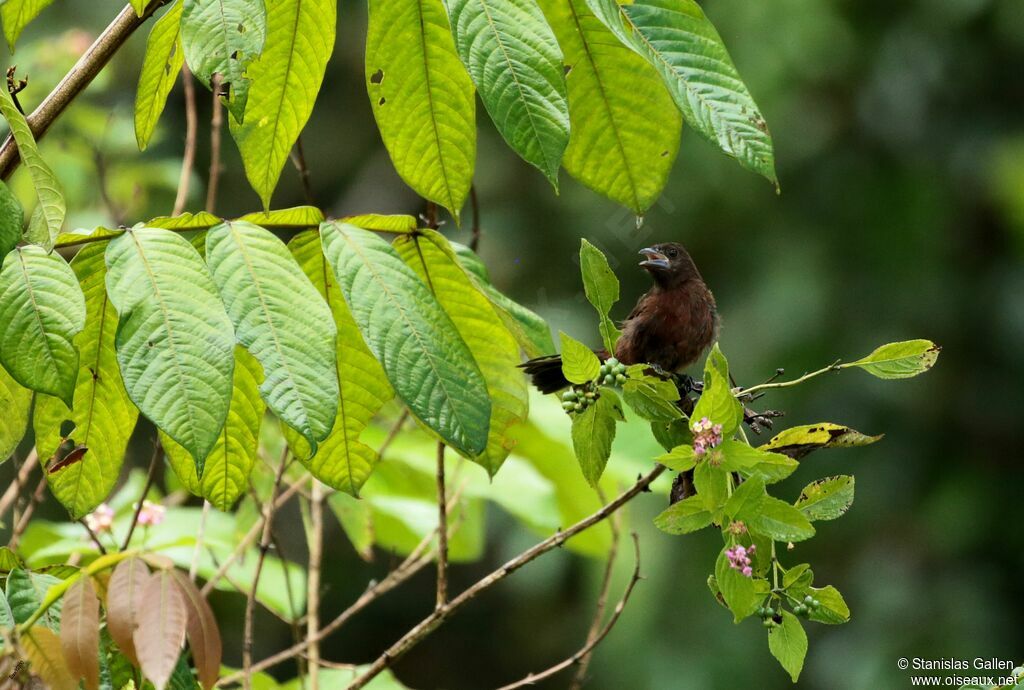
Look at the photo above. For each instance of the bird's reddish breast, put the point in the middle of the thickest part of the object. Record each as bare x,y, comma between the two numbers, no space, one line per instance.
670,328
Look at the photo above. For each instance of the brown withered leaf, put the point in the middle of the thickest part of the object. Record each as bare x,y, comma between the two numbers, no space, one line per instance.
124,600
203,635
43,649
80,632
160,633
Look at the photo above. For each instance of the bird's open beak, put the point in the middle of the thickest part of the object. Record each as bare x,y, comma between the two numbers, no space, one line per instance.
654,258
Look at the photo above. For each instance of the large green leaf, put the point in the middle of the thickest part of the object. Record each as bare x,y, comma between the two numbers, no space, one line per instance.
342,461
160,68
17,14
422,98
51,208
227,467
15,401
103,415
224,37
625,127
285,82
12,217
493,346
41,311
175,344
283,322
514,59
685,48
426,360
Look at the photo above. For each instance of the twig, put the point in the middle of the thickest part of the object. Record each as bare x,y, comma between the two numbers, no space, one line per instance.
315,541
216,120
194,567
474,237
834,366
11,495
298,156
439,615
577,658
92,536
191,125
250,605
74,82
22,524
442,531
395,428
158,450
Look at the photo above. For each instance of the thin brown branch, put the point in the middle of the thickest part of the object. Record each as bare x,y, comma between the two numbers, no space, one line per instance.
216,122
442,531
316,550
441,614
14,490
583,653
22,524
188,158
194,567
77,79
93,537
474,204
250,604
158,450
298,157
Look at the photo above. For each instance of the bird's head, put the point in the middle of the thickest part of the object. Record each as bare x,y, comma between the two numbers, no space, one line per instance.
668,263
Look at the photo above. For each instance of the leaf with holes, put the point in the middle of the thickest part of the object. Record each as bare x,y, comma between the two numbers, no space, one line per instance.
827,499
125,600
514,59
201,629
160,66
102,414
427,362
342,461
42,309
492,345
52,208
80,632
285,82
162,624
422,98
224,37
282,321
17,14
798,441
228,466
625,127
174,341
681,42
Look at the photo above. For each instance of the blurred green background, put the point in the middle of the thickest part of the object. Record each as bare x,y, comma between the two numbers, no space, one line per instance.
900,145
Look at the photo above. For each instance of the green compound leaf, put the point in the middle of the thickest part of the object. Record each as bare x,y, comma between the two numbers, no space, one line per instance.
102,414
683,517
342,461
285,82
788,643
41,311
12,217
602,290
492,345
593,431
17,14
798,441
579,363
902,360
160,67
26,591
827,499
514,60
16,401
625,127
52,208
282,321
227,467
427,362
688,53
224,37
717,402
175,343
422,98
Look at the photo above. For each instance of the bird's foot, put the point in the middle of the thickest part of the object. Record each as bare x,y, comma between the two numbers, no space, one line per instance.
760,420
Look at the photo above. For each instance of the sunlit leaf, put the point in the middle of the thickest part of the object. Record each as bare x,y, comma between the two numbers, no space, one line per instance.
42,646
514,60
427,362
798,441
286,218
224,37
17,14
102,414
80,632
902,360
175,343
625,127
125,599
717,402
15,401
397,223
41,311
162,623
160,67
203,634
422,98
282,321
788,643
579,363
737,456
685,48
285,82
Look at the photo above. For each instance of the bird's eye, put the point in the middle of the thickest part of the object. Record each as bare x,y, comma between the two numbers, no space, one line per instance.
673,253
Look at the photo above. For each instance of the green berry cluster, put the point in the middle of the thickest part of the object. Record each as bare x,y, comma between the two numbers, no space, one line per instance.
612,372
579,398
804,608
768,614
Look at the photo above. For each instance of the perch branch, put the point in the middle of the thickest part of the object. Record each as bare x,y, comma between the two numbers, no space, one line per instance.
191,125
216,120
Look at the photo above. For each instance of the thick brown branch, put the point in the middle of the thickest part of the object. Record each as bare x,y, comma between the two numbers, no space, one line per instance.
442,531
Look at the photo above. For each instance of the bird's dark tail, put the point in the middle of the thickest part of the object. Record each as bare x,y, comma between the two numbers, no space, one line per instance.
546,373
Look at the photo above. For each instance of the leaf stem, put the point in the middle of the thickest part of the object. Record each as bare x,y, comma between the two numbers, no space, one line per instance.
835,366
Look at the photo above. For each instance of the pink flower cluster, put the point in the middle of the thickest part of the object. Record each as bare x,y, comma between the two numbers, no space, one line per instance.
705,435
152,514
739,558
101,519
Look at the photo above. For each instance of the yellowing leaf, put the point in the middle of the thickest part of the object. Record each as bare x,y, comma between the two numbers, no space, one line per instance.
43,649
